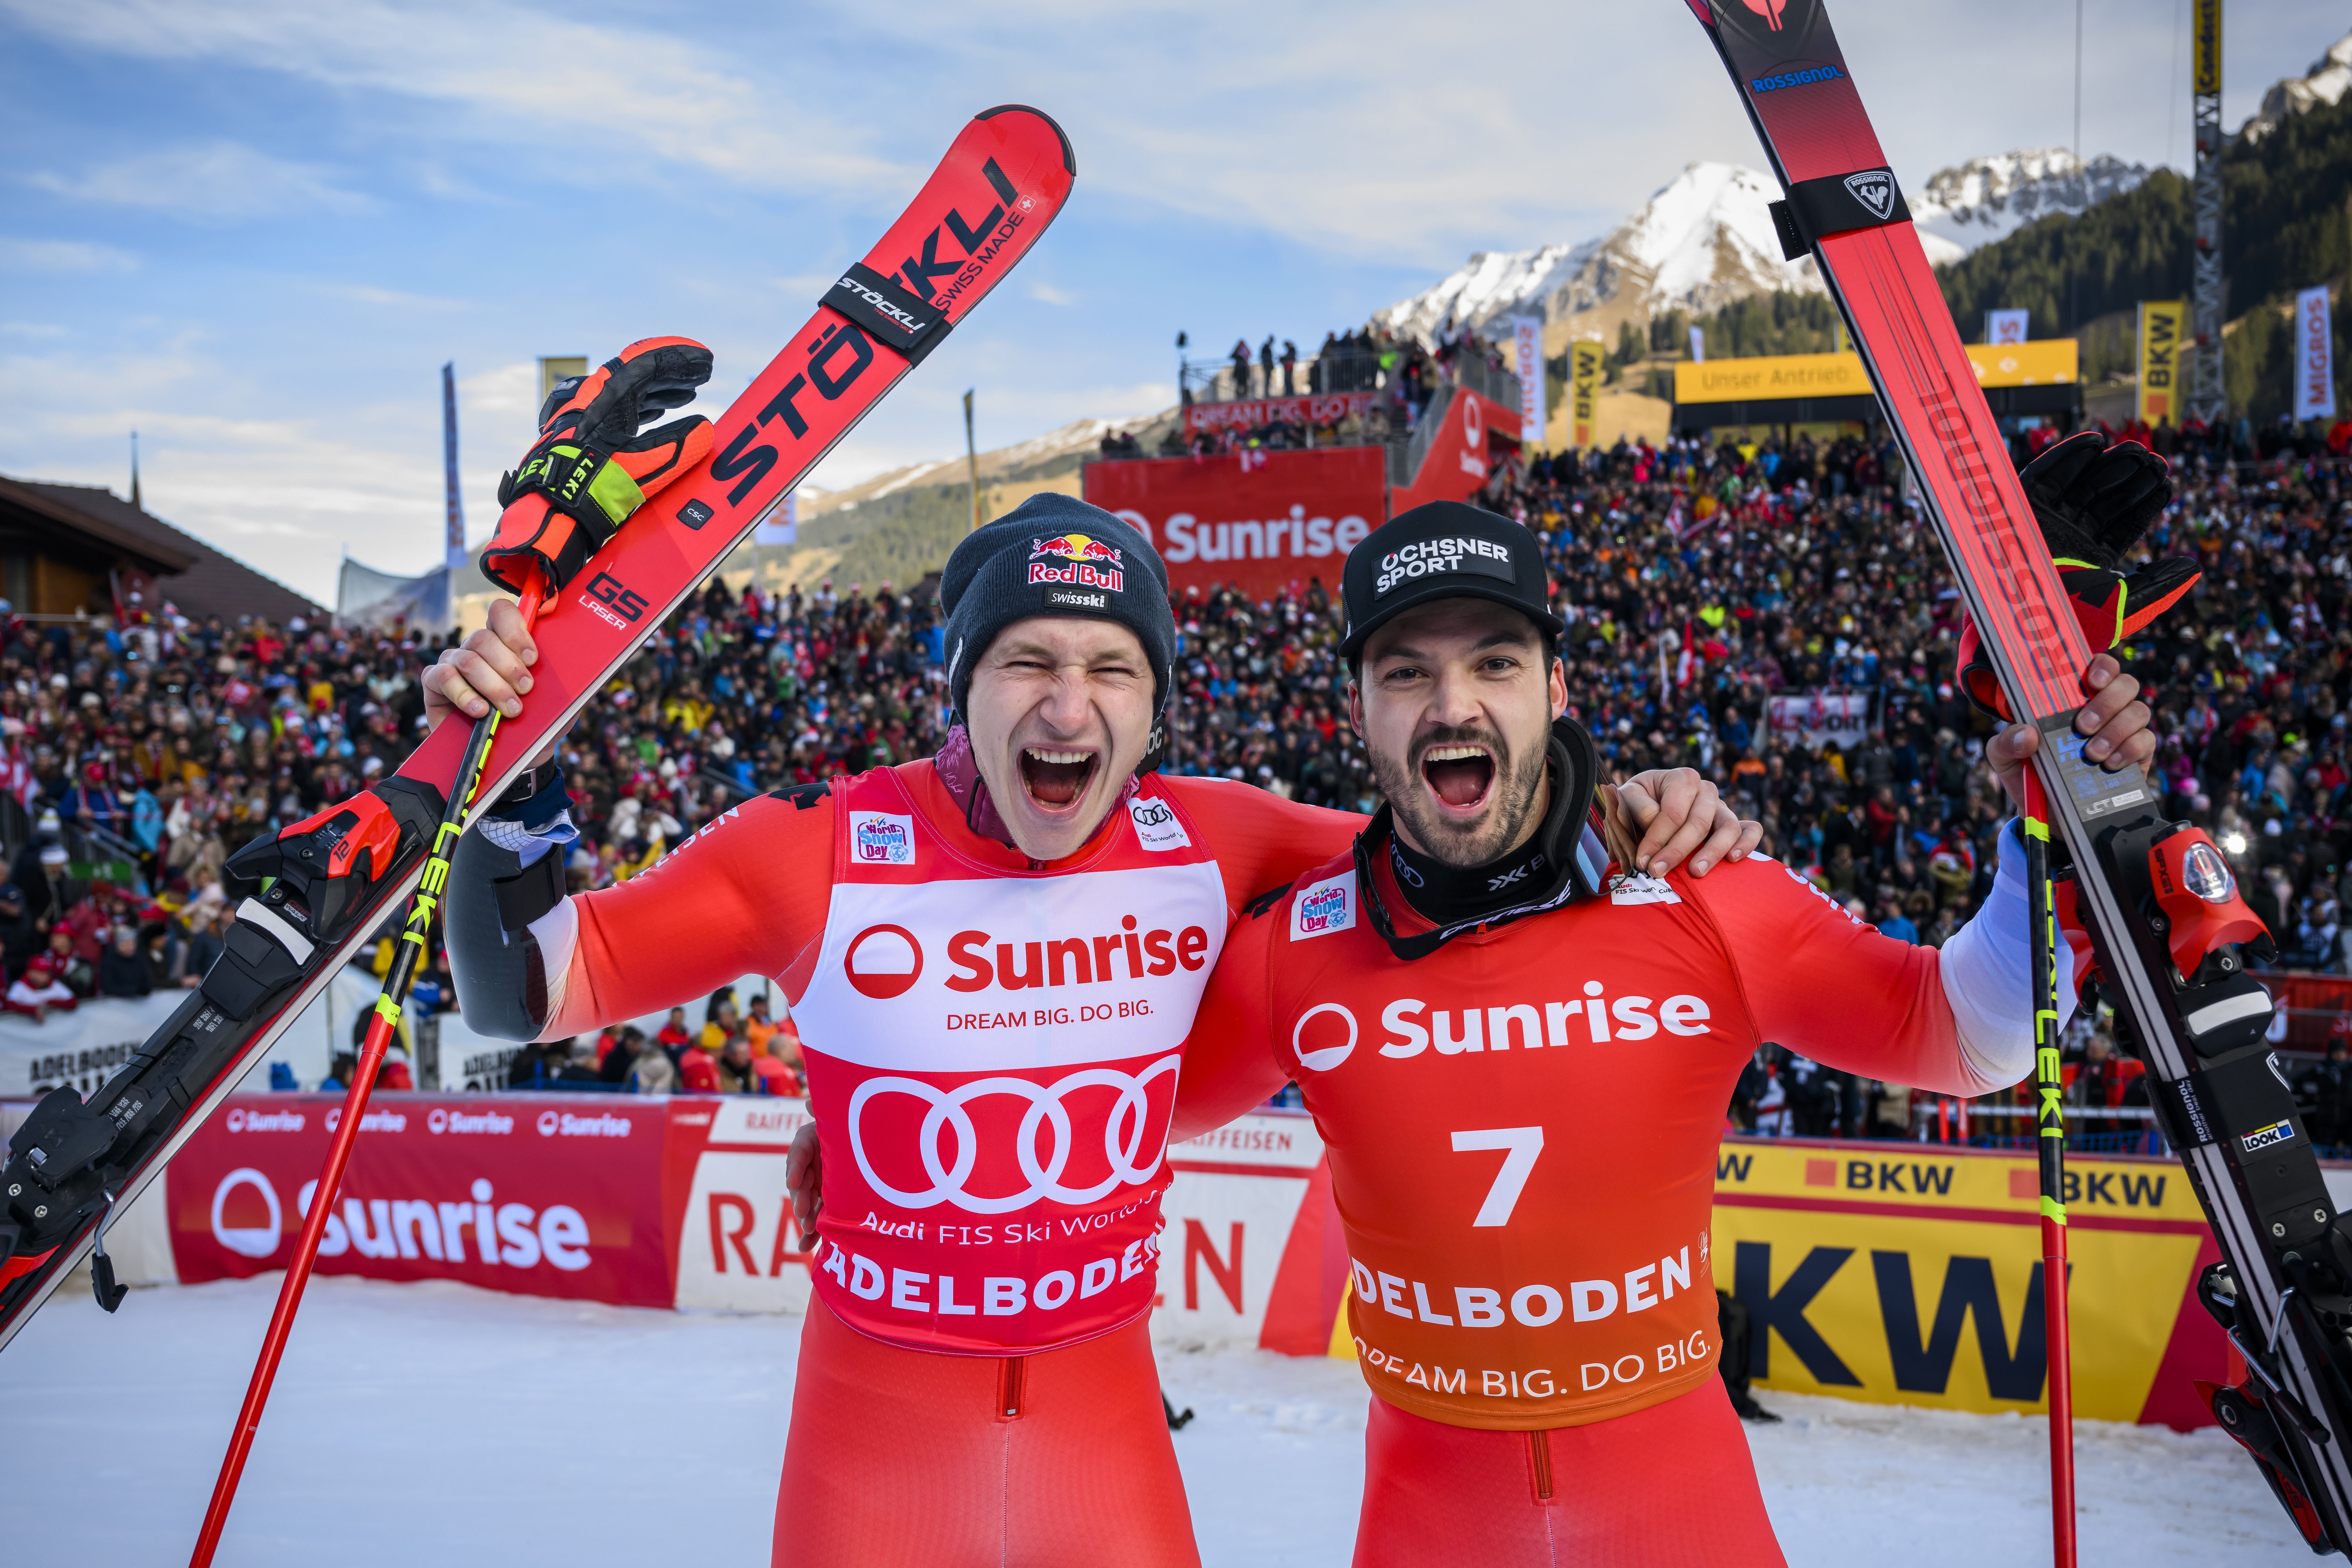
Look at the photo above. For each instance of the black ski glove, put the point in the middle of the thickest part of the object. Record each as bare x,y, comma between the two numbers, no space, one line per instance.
591,467
2094,500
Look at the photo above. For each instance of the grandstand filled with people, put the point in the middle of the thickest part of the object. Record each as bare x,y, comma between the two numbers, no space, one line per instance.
1702,580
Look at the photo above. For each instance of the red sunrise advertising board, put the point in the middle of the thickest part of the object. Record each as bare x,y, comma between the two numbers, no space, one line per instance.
1256,521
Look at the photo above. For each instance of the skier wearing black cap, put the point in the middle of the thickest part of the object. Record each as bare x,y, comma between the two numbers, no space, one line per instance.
1518,1043
992,957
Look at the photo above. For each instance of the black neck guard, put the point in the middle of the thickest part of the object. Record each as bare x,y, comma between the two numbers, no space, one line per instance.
1565,861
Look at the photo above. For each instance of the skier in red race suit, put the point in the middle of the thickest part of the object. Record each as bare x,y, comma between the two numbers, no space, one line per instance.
993,957
1518,1050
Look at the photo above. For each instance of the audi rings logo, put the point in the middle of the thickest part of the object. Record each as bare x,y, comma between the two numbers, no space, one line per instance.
1323,1058
247,1241
883,961
547,1122
1125,1128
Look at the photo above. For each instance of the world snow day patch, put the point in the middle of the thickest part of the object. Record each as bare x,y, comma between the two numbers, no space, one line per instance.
879,839
1324,908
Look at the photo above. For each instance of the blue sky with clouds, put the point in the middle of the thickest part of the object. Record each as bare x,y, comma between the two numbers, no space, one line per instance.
254,231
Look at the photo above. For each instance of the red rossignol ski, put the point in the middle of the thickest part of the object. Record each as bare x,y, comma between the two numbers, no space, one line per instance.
2159,899
338,875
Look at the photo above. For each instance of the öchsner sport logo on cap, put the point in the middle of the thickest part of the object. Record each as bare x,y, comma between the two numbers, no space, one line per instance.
1434,557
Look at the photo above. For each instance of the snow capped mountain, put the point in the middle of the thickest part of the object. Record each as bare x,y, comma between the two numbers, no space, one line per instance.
1493,283
1703,241
1986,199
2330,76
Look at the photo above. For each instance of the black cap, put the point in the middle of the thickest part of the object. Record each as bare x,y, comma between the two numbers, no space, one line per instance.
1055,555
1443,550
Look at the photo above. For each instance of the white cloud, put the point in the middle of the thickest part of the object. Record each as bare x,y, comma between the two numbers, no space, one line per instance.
566,82
1046,293
38,330
368,294
63,256
209,181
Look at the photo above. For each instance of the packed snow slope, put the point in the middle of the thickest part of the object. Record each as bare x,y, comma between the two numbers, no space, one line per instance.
439,1423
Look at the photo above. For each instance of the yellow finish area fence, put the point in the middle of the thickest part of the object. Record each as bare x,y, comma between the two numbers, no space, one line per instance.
1911,1274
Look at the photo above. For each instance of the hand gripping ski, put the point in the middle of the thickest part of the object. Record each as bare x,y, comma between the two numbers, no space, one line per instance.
340,874
2158,899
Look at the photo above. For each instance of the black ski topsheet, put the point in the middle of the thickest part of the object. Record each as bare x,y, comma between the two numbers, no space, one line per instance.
1003,181
2287,1280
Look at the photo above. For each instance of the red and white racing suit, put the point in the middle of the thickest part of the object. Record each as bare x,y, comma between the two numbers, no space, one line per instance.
992,1047
1522,1130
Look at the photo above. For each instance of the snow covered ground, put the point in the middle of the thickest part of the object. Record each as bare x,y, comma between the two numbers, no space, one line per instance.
436,1423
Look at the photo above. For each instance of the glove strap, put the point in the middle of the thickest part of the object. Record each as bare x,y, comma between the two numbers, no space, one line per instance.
579,481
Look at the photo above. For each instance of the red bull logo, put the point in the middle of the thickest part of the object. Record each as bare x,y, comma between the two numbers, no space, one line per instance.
1091,563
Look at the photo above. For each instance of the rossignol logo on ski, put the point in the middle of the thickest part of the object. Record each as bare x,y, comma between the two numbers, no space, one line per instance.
1809,75
1092,564
1875,189
2261,1138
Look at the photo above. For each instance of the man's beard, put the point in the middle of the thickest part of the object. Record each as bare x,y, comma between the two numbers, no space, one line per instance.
1513,800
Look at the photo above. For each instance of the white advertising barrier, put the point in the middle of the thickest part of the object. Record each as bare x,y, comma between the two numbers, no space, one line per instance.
1230,1212
86,1046
82,1048
738,1249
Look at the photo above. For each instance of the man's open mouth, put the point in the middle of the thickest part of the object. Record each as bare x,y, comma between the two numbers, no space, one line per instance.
1056,778
1458,775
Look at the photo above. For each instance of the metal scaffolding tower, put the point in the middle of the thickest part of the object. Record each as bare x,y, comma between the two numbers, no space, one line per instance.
2207,400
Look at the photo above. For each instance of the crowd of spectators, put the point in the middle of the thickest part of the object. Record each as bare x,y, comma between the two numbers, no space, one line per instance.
1396,378
1702,578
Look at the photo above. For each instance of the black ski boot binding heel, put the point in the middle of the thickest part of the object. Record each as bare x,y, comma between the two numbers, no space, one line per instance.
71,1157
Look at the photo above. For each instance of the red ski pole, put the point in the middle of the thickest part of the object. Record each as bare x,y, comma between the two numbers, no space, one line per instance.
2049,1122
410,954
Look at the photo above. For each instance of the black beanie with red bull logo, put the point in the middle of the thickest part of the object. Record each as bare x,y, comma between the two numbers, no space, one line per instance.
1055,555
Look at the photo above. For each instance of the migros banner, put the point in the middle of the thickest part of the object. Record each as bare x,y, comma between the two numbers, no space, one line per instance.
2049,362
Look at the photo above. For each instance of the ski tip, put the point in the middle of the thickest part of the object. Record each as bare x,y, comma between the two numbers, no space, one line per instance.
1069,158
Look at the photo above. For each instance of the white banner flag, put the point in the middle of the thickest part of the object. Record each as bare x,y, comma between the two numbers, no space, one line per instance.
2314,357
1698,345
782,525
2005,326
1526,356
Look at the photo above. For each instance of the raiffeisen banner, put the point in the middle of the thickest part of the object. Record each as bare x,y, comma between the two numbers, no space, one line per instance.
1259,521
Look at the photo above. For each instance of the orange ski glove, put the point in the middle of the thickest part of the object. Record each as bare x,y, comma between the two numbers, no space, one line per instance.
590,467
